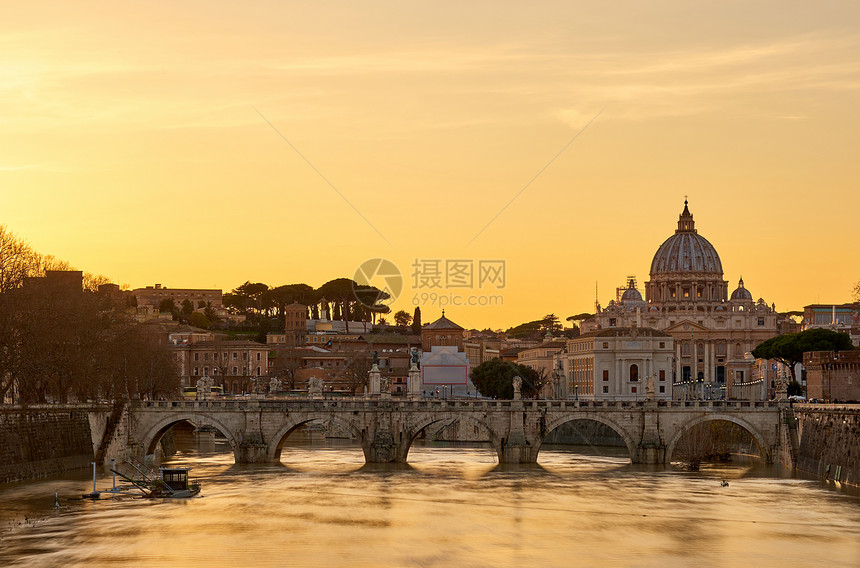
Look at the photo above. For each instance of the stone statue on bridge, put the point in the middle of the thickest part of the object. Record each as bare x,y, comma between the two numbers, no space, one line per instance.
649,388
274,385
518,387
315,386
204,387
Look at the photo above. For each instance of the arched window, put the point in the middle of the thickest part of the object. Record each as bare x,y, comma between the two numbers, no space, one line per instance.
634,372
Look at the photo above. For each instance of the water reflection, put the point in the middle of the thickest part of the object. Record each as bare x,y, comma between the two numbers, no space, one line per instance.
452,505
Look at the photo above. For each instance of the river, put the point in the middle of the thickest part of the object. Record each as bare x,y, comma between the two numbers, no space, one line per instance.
451,506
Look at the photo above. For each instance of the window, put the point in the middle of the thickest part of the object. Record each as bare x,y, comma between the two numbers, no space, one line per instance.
662,388
235,356
205,371
244,356
605,390
605,375
634,374
196,371
662,345
761,321
633,390
606,345
197,356
258,371
206,356
235,371
662,376
259,355
612,322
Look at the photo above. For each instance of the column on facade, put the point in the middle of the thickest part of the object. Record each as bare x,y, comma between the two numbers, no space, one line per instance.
713,361
620,366
707,361
694,367
678,361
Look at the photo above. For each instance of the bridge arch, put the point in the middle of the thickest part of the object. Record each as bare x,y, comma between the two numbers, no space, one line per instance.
422,422
276,444
763,446
153,436
632,447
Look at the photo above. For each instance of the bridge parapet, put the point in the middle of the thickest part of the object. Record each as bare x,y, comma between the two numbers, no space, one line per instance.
257,428
462,404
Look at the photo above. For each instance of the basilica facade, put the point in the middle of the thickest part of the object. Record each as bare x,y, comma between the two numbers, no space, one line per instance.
687,297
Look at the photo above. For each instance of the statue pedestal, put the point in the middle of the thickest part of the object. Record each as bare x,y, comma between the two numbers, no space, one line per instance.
375,380
413,383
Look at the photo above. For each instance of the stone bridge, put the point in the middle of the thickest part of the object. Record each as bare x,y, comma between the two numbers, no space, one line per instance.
257,429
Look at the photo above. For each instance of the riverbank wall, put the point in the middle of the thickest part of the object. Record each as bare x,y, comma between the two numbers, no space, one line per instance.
829,441
45,440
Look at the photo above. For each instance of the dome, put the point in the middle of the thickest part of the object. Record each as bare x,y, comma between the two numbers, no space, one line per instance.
686,250
741,293
631,295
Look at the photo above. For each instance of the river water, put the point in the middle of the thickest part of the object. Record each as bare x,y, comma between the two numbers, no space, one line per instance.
451,506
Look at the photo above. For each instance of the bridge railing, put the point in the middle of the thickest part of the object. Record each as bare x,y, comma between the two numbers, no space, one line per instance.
77,407
447,404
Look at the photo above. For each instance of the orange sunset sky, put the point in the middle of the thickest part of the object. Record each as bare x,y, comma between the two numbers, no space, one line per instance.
137,141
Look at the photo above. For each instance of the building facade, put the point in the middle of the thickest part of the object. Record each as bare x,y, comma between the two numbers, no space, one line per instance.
154,295
844,318
234,365
832,375
688,298
617,364
444,362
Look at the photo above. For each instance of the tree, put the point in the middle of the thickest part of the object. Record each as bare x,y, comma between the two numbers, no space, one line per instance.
403,318
17,260
789,348
187,308
794,389
416,321
855,293
356,373
494,378
342,291
252,295
528,330
579,318
199,319
550,323
70,344
285,366
167,305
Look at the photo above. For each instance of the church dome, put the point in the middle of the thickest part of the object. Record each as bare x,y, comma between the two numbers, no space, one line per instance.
631,295
686,250
741,293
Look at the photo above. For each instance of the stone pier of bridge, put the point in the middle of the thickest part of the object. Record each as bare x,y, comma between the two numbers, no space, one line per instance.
386,429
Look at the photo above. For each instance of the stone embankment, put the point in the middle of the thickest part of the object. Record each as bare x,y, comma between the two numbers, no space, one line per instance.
50,439
41,441
829,441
